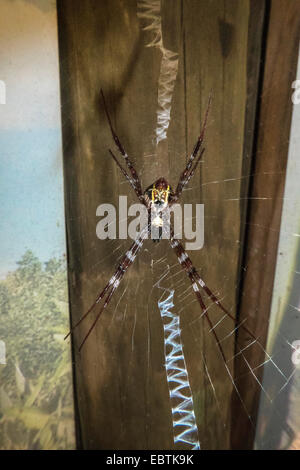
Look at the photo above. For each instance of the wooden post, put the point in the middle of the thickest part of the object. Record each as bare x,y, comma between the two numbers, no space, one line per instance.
122,394
265,206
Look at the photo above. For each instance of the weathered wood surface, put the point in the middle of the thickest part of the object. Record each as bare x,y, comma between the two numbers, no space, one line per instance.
265,205
121,388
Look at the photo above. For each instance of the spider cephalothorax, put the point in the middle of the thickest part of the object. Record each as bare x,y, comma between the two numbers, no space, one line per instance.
159,193
157,198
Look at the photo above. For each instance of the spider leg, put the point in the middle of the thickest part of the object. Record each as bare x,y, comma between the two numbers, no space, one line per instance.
188,267
188,172
107,300
136,180
195,279
216,300
126,261
192,171
130,180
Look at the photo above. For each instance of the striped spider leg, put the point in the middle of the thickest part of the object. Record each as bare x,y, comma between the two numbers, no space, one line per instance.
196,280
189,170
113,283
134,180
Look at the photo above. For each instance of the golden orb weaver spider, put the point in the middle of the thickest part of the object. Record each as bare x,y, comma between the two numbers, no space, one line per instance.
160,196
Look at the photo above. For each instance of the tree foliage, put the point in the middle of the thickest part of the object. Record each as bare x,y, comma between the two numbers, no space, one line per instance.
36,384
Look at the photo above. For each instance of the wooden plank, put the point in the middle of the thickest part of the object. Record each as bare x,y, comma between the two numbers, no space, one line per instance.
215,58
122,394
267,189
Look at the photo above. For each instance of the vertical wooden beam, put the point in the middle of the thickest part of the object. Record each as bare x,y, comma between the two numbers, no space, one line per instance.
122,394
265,206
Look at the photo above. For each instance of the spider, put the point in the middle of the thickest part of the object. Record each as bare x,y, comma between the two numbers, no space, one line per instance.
157,198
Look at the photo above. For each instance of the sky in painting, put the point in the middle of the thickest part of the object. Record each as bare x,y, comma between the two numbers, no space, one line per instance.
31,184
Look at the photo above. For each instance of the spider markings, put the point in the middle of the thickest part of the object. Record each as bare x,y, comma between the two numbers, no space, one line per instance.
114,282
134,179
160,196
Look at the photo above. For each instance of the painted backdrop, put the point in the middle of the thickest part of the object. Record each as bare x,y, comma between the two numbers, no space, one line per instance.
36,400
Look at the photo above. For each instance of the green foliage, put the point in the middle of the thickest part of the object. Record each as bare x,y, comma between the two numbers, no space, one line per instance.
36,407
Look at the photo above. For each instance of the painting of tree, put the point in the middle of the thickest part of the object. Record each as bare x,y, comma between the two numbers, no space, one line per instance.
36,396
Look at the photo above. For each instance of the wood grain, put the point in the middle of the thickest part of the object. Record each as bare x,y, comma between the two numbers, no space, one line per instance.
121,388
265,206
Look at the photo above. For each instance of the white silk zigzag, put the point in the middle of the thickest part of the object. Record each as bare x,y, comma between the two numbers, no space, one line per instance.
150,12
184,421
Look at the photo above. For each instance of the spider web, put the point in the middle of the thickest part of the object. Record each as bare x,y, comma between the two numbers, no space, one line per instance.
280,375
